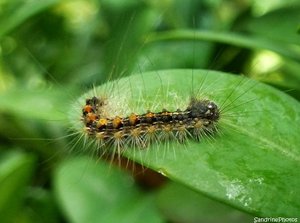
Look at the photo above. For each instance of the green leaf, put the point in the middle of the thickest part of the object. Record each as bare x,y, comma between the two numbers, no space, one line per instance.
40,204
95,192
235,39
16,169
35,103
19,11
272,26
181,204
252,163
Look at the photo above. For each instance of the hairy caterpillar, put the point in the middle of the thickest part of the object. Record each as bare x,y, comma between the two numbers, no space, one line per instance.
117,115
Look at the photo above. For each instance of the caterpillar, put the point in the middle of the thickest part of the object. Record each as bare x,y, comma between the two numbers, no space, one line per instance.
116,116
200,116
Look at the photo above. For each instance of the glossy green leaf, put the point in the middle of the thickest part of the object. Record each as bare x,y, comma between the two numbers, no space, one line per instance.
95,192
252,163
180,204
16,169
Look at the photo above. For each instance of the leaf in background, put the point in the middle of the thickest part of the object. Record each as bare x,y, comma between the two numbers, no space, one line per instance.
253,164
16,170
96,192
18,11
234,39
40,207
280,24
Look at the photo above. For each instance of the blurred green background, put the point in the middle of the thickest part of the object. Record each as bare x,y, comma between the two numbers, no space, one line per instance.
52,51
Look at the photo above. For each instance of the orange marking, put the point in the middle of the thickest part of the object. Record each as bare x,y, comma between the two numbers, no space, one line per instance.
117,121
90,117
150,115
87,108
133,118
102,122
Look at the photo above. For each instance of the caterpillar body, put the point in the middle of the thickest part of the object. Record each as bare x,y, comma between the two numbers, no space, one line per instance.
139,130
117,116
